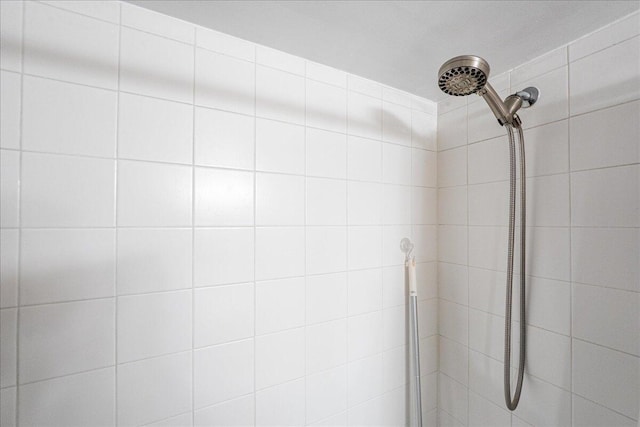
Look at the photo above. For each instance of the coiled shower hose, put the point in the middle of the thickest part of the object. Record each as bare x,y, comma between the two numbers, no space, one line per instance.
512,404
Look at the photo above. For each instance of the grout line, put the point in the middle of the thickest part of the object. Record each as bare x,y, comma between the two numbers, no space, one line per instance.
115,220
193,231
20,220
570,174
255,232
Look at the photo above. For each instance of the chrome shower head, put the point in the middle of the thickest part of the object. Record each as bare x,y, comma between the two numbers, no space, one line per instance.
463,75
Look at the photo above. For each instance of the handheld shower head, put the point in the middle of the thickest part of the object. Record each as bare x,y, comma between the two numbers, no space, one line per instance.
463,75
468,74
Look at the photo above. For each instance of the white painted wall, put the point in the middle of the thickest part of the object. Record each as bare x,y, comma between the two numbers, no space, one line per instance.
583,148
197,230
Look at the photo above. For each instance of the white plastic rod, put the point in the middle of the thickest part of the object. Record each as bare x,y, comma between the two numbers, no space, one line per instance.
411,266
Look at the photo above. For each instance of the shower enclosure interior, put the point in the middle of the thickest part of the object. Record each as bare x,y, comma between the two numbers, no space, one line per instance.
197,230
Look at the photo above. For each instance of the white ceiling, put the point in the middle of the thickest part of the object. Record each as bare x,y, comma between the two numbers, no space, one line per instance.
402,43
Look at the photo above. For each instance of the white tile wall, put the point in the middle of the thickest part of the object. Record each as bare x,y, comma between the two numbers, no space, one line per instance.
581,143
338,156
194,232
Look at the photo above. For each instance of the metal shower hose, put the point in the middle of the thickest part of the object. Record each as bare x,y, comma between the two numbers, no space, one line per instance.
512,404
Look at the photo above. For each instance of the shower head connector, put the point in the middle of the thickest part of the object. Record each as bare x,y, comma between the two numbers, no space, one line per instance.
463,75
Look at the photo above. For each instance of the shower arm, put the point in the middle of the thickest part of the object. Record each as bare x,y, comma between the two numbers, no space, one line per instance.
505,111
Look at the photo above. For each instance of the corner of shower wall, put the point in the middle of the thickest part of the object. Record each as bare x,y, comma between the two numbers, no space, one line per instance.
580,354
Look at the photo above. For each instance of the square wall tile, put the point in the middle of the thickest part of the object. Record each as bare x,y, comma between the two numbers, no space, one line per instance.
325,74
482,123
606,197
151,260
326,154
396,124
606,257
225,44
144,396
156,66
224,139
280,60
488,203
454,360
237,412
549,357
88,399
157,23
154,324
280,252
396,164
279,357
607,377
223,314
223,372
424,130
365,291
452,206
364,86
488,161
61,191
326,249
486,335
280,305
556,401
588,93
364,161
223,197
9,347
394,327
280,147
454,283
484,413
279,199
62,339
424,205
364,379
555,85
281,405
94,8
154,129
11,35
326,297
9,248
326,394
326,106
424,168
364,246
152,194
452,244
90,45
396,206
608,317
280,95
547,149
326,201
66,265
453,400
364,116
364,203
452,167
391,237
10,185
606,137
542,64
549,304
452,129
453,321
586,413
224,82
365,335
548,201
232,250
10,101
68,118
326,345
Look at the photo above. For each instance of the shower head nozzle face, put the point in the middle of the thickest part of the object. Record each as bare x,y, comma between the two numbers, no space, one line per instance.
463,75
